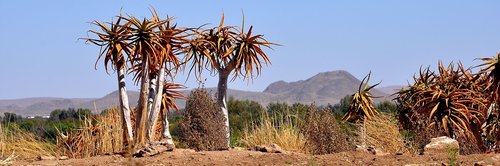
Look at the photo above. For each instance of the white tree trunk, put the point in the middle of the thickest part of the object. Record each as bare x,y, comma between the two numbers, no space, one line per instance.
221,102
125,108
153,89
156,108
166,127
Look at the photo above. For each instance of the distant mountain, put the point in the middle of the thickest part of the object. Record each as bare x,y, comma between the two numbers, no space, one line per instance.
323,88
391,89
38,106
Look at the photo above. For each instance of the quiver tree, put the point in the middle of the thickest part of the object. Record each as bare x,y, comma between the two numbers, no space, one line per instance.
451,100
226,50
362,108
152,47
156,46
492,87
113,41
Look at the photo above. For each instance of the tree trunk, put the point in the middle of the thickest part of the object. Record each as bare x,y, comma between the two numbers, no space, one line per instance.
153,89
156,105
221,101
476,131
363,133
166,129
128,137
142,106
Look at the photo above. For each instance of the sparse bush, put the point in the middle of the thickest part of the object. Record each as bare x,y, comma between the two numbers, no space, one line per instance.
202,127
416,133
323,133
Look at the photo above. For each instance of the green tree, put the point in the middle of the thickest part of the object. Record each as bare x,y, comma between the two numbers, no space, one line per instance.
386,106
11,118
343,105
242,114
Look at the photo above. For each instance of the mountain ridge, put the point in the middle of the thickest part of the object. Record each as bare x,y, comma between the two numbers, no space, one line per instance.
322,88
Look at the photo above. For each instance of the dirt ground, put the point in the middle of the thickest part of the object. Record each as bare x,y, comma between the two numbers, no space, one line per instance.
246,157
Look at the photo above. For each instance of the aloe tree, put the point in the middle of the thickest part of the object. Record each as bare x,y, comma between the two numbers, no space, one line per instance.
113,43
492,72
156,45
173,42
226,50
169,94
450,100
362,108
144,42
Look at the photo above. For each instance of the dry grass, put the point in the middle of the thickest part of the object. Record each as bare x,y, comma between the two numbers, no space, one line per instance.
22,144
324,134
8,160
101,134
282,132
383,133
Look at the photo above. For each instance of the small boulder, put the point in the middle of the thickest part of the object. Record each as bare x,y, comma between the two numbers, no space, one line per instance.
441,145
489,161
152,150
64,158
47,158
239,148
273,148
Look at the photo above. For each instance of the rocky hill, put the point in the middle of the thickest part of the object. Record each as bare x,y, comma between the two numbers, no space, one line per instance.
323,88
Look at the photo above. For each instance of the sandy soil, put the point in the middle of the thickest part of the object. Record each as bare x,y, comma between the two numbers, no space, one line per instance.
246,157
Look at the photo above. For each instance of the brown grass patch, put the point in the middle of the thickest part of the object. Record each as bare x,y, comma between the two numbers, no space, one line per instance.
382,132
280,130
101,134
17,143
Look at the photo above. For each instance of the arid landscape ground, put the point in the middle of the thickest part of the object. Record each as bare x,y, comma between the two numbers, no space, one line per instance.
246,157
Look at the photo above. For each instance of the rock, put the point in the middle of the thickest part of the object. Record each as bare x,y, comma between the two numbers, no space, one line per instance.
371,150
239,148
441,145
64,158
47,158
379,152
489,161
269,149
152,150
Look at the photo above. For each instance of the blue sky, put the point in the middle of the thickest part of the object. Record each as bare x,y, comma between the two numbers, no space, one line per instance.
42,56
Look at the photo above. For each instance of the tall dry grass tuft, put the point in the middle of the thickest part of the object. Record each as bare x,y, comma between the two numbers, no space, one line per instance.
23,144
383,133
100,134
278,129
